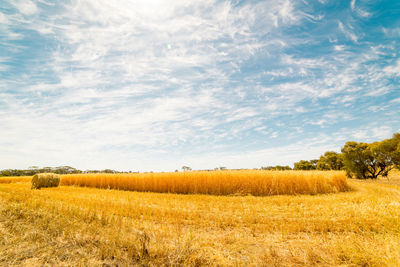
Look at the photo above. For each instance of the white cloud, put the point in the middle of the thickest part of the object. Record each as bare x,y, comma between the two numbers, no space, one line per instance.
360,134
382,132
352,4
3,19
359,11
396,100
347,32
133,80
339,47
393,69
391,32
373,132
378,92
26,7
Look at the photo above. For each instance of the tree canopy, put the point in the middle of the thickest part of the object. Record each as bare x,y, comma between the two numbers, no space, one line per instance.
360,160
306,165
363,160
330,161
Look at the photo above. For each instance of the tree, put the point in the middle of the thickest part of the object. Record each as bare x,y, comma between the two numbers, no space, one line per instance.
330,161
219,168
365,161
396,139
108,171
357,159
305,165
387,154
186,168
276,168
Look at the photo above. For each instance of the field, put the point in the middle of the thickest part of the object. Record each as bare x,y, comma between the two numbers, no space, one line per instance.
241,182
79,226
8,180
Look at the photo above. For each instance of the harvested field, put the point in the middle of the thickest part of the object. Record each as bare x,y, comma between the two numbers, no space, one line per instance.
88,226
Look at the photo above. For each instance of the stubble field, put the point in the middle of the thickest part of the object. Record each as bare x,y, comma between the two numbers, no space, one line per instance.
79,226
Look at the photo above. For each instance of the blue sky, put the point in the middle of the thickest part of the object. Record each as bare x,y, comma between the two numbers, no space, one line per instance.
154,84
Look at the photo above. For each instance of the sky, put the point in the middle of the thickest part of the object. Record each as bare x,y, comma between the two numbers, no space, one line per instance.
152,85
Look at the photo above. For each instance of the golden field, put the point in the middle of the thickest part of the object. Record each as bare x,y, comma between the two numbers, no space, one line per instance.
8,180
79,226
242,182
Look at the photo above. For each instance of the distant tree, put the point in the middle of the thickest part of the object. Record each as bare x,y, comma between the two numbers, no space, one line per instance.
314,163
186,168
364,161
47,169
5,173
330,161
282,168
35,169
108,171
306,165
277,168
64,170
92,171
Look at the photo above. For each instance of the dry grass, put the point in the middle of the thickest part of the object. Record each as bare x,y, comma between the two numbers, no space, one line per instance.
392,179
253,182
74,226
18,179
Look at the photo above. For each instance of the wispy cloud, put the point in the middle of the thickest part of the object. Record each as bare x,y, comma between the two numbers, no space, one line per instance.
25,7
163,83
347,32
394,69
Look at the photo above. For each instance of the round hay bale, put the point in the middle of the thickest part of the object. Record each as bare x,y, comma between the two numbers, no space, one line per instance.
40,180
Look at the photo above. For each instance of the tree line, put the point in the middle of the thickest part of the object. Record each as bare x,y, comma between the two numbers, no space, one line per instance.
359,160
58,170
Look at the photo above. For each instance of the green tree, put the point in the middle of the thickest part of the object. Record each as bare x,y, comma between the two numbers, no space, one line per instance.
186,168
305,165
386,154
314,163
357,159
276,168
396,139
330,161
365,161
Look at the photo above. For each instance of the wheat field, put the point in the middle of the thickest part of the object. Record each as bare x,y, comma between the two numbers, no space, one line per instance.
9,180
81,226
243,182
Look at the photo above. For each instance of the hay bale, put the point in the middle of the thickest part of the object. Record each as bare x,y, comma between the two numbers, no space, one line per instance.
45,180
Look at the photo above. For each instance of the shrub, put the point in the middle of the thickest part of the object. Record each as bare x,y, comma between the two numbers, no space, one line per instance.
45,180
